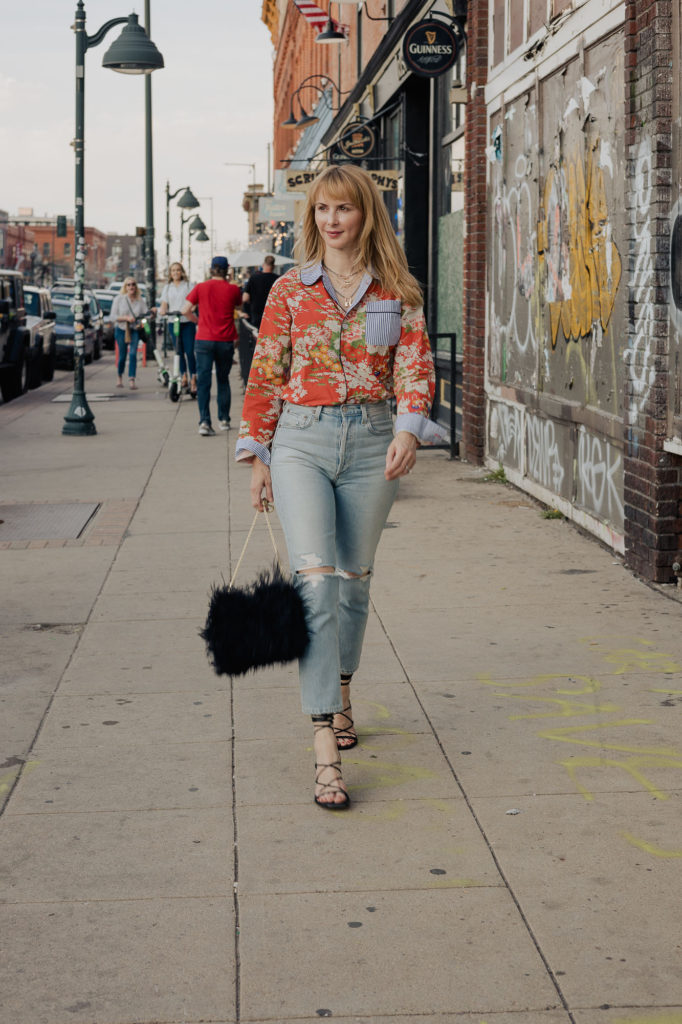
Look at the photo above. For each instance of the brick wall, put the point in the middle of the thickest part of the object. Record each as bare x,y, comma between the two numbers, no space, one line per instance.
652,475
475,205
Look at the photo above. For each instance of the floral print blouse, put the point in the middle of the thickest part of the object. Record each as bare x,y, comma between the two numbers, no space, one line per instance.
312,352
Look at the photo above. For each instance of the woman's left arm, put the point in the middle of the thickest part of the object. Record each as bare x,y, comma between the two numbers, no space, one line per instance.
401,455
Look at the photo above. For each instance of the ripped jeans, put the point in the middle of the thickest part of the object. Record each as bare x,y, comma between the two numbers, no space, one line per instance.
332,500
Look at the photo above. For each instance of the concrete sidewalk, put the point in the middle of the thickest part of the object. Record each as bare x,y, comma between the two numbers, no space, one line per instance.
514,849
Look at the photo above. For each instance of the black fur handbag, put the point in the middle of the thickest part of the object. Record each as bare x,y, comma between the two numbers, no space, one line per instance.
260,624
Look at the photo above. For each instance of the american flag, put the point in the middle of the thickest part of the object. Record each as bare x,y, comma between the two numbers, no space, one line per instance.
313,14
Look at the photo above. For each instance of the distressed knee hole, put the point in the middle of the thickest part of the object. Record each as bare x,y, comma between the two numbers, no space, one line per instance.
314,576
345,575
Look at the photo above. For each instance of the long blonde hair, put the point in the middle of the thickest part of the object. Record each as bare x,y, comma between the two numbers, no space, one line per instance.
378,246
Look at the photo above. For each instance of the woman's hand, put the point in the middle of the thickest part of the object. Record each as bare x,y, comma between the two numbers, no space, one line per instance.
401,455
261,484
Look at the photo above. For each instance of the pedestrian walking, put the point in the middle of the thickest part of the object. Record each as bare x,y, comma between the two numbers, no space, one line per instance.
173,298
340,336
216,334
254,297
127,310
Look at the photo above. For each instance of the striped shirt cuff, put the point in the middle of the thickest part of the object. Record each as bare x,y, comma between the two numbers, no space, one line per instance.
247,446
425,430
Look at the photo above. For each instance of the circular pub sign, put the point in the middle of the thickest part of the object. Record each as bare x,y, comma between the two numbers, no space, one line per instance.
357,141
430,48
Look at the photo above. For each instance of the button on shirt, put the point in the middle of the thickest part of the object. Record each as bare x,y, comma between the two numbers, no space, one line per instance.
311,352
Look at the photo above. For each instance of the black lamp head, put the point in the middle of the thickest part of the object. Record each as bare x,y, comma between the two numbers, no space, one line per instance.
133,53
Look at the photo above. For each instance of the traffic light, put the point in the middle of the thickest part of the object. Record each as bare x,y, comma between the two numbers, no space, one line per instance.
61,226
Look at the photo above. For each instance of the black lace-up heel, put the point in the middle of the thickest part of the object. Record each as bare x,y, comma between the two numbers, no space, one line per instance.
332,770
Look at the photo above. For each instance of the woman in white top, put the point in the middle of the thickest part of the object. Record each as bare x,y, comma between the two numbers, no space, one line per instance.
172,300
126,310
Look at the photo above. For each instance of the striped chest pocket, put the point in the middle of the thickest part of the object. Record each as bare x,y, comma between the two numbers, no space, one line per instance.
382,325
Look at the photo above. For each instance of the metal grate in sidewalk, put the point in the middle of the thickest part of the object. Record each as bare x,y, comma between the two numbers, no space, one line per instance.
45,521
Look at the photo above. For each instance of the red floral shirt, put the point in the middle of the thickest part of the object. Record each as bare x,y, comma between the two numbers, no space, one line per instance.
311,352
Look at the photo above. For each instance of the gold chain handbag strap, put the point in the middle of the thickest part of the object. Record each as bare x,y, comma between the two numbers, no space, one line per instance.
267,508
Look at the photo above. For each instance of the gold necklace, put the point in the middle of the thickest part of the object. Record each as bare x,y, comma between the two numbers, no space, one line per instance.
346,282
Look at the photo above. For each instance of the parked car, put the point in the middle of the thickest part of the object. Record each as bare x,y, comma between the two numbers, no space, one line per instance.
40,318
91,308
105,299
64,330
16,355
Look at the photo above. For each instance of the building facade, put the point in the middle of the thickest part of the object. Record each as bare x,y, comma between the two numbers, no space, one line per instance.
581,345
535,185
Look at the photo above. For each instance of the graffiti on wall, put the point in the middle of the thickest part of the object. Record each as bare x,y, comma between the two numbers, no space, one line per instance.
582,262
600,477
542,453
506,433
639,357
543,449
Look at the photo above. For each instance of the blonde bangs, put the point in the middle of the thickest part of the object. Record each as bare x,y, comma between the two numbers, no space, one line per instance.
336,185
378,246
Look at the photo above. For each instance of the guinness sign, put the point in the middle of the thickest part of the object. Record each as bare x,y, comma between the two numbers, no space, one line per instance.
430,48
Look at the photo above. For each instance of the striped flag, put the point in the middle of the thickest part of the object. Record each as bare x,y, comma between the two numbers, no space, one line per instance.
316,17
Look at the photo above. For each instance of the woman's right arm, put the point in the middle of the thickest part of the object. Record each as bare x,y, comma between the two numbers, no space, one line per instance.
261,484
269,375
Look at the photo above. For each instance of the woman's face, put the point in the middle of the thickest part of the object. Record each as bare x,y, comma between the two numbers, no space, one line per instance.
339,222
176,272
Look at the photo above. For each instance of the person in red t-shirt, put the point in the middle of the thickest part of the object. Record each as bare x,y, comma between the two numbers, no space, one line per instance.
217,300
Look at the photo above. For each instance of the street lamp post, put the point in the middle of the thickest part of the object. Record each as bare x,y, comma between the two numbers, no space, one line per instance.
132,53
149,250
187,201
197,225
210,200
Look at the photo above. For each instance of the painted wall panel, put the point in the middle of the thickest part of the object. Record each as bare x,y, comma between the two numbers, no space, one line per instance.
599,479
506,434
557,284
514,310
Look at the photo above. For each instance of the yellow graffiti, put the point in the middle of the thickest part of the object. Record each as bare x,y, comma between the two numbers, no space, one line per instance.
589,685
582,261
630,765
562,736
560,708
655,851
632,658
629,659
387,774
666,1018
8,778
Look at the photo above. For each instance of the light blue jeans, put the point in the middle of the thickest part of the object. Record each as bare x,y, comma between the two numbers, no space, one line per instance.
120,337
332,500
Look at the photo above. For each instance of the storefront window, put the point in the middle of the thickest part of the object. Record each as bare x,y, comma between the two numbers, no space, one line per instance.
457,175
392,145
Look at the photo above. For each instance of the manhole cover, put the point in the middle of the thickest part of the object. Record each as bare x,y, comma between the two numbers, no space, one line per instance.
45,522
105,397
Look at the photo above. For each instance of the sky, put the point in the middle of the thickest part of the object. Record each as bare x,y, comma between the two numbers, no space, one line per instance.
211,105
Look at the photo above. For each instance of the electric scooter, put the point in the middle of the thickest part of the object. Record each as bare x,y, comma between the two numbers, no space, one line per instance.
172,379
